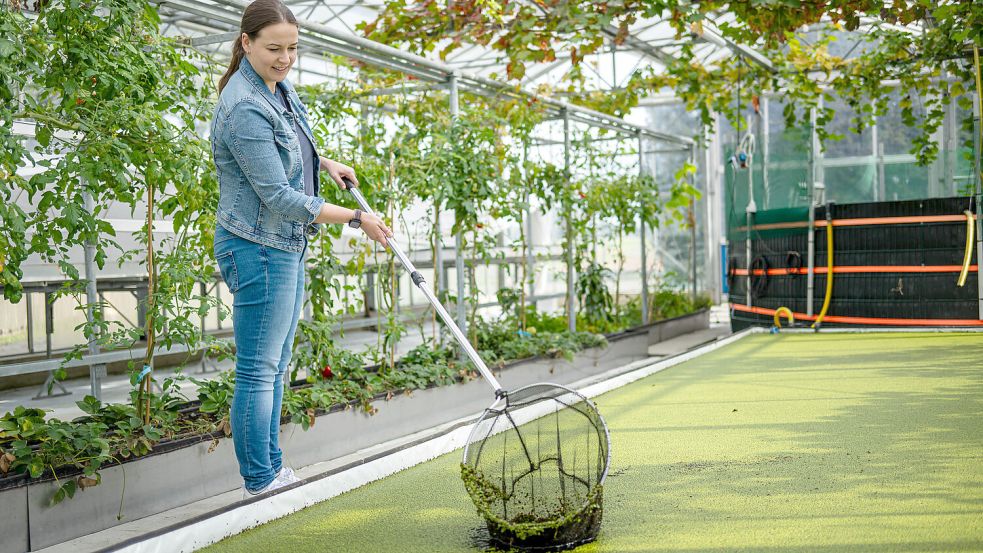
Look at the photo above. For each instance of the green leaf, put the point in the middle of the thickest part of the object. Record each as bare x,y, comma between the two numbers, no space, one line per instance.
36,467
65,490
68,269
43,135
89,404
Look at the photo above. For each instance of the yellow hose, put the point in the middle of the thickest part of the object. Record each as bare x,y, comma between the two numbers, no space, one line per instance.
829,272
784,311
970,236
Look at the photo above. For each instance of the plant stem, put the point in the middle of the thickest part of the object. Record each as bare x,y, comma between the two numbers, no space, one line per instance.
145,390
621,266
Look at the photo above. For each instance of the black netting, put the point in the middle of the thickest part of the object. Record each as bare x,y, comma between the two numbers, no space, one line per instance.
539,484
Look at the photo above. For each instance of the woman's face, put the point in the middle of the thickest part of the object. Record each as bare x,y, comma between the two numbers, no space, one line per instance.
273,52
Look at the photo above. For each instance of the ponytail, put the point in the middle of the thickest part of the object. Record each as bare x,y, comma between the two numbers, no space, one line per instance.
237,54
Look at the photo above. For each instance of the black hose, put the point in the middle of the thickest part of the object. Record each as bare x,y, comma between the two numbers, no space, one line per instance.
759,282
793,261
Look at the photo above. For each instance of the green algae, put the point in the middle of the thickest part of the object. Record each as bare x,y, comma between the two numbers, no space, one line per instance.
567,527
799,443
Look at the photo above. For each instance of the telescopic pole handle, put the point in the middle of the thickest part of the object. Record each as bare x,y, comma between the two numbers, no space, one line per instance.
420,283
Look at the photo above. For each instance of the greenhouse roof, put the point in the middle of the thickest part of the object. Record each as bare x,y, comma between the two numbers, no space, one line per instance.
330,28
649,42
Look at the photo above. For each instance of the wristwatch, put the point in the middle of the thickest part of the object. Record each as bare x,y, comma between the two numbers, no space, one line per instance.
356,220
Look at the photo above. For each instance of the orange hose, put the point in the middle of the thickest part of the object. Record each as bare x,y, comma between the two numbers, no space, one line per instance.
862,269
883,321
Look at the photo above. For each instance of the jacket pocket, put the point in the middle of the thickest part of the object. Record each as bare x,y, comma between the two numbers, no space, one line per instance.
227,267
289,147
291,230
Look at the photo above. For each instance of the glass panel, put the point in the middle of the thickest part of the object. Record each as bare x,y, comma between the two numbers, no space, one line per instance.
852,144
788,158
897,137
906,181
850,184
968,129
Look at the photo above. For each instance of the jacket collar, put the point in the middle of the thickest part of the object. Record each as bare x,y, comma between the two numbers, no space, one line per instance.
259,84
254,79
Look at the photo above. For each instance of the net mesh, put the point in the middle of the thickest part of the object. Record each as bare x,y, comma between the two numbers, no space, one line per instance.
539,484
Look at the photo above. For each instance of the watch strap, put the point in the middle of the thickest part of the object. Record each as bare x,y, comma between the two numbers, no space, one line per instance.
356,221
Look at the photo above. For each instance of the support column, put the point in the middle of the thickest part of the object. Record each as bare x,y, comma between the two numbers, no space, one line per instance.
96,372
715,224
978,188
692,228
49,323
815,170
530,255
459,236
571,311
30,321
765,155
641,234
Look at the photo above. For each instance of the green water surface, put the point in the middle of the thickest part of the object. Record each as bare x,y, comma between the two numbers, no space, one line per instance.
830,442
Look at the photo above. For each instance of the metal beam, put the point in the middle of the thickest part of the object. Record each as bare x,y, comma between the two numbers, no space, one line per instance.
712,35
571,311
337,42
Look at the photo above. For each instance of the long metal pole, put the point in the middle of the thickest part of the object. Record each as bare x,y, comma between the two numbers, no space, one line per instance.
459,237
692,228
877,155
571,312
811,252
641,234
421,283
765,154
96,372
530,255
749,212
30,321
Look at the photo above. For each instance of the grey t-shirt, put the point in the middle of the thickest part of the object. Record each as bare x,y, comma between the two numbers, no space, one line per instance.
306,148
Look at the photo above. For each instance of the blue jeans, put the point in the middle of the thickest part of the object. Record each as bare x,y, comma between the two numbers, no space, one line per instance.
267,286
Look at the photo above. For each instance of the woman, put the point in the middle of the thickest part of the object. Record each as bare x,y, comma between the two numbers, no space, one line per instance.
268,173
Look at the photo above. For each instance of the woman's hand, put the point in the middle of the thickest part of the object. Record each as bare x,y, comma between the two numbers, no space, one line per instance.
338,171
375,229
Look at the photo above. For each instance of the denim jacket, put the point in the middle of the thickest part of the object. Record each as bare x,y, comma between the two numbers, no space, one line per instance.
260,169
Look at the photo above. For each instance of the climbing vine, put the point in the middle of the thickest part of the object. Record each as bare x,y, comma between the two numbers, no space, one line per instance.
931,65
98,104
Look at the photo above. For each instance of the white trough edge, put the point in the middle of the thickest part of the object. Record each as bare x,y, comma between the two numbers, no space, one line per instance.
234,521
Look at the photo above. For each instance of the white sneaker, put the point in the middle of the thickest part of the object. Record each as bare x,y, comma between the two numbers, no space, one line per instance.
276,484
287,475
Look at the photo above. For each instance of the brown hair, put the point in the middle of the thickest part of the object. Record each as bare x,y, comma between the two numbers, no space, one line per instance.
256,17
